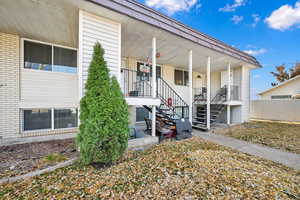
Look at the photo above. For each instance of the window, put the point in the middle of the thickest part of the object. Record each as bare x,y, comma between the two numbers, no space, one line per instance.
65,60
281,97
141,113
181,77
36,119
37,56
65,118
48,57
144,71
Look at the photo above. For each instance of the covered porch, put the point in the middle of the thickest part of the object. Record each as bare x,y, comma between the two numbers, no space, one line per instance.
159,62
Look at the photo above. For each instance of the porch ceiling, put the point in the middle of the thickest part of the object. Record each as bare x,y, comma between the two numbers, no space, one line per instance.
46,20
137,39
56,21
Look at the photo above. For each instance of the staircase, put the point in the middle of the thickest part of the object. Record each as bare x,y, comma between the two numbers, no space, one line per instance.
172,106
216,108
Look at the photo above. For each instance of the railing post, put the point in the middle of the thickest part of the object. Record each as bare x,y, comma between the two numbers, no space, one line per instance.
191,86
208,93
228,92
153,85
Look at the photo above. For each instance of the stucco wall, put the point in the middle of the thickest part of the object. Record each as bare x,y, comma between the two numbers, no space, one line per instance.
291,88
285,110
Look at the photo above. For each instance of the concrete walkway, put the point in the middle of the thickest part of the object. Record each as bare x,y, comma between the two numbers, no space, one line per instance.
289,159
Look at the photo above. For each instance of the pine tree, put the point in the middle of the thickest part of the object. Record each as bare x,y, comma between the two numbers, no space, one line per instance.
99,139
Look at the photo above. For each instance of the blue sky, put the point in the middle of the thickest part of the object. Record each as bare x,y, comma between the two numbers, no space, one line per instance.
267,29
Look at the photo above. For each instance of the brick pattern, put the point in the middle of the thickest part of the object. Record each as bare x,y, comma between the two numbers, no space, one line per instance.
9,85
49,132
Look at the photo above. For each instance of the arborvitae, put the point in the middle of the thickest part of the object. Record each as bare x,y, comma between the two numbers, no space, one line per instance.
99,139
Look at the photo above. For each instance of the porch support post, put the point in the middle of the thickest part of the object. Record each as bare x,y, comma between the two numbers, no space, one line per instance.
191,85
153,85
208,93
228,92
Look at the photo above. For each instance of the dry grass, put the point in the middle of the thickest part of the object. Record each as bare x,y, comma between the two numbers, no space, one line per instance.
276,135
190,169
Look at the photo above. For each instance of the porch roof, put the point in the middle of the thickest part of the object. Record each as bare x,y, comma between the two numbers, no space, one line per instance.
145,14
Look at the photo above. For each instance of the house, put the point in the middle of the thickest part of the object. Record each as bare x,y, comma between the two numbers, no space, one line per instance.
162,65
289,89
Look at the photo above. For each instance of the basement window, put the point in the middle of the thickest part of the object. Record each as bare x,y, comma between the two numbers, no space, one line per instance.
181,77
48,57
65,118
36,119
49,118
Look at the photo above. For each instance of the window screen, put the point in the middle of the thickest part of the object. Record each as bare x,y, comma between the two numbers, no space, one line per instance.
65,118
178,77
36,119
37,56
65,60
181,77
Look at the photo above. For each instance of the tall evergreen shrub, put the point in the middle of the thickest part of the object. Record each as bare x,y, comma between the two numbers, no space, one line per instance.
103,131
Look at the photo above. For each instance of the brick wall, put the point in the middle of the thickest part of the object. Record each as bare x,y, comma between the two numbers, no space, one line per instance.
9,85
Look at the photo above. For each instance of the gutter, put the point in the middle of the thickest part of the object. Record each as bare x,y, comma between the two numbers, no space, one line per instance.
142,13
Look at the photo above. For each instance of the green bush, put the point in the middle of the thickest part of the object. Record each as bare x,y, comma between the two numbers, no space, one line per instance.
103,132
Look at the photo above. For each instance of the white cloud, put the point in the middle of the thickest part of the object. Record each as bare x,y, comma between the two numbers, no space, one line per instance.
256,19
284,17
256,76
255,52
237,19
233,7
172,6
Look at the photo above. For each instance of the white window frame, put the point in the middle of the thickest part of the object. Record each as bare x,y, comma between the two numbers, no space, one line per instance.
52,120
52,56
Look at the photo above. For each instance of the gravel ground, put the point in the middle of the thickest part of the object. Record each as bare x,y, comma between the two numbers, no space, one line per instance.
23,158
190,169
282,136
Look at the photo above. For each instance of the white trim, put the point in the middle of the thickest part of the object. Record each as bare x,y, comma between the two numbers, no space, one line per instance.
48,43
137,101
80,55
79,61
120,53
98,17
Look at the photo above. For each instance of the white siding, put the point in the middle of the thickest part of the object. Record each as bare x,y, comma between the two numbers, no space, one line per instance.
215,83
94,29
48,89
